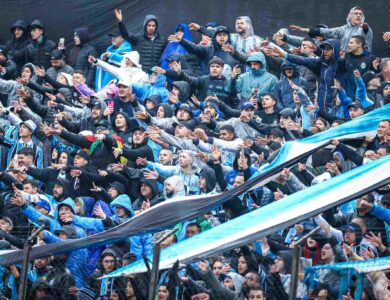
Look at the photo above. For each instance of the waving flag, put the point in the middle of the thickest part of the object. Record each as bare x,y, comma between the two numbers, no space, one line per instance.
272,217
171,212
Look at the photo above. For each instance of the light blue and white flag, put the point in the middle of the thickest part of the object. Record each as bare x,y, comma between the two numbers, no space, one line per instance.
272,217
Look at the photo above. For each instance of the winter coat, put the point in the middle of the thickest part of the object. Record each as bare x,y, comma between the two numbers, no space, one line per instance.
206,53
255,79
143,91
9,88
77,260
283,89
207,85
141,150
81,60
38,53
155,197
150,50
139,244
175,47
54,223
16,47
84,123
53,72
10,70
327,71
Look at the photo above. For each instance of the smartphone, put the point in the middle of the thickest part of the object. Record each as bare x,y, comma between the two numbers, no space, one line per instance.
110,104
255,92
61,43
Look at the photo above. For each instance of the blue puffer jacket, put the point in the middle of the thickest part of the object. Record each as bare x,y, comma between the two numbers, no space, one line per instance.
143,91
327,70
77,260
140,245
55,224
283,90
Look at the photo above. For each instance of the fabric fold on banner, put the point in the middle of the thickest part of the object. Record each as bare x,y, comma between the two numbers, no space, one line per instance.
272,217
360,266
171,212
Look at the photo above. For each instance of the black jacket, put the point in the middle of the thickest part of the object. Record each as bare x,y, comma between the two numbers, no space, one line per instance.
80,61
39,53
17,47
150,50
154,199
10,70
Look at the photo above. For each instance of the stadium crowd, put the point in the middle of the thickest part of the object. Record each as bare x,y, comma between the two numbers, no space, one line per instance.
89,140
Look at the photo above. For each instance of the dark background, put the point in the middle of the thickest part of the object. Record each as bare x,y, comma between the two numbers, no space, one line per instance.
61,17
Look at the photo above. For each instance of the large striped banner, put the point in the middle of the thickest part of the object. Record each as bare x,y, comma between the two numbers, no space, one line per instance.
360,266
174,211
272,217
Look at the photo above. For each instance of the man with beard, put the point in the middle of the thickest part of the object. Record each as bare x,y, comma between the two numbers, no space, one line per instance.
97,113
150,43
245,39
58,65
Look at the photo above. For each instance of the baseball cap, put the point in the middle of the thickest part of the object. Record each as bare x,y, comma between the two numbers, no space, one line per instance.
247,105
182,124
7,219
123,82
44,203
69,230
114,33
103,123
356,104
3,50
351,226
82,153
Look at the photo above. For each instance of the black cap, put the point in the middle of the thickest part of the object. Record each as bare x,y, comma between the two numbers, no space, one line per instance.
386,199
96,103
139,128
287,112
183,124
368,76
119,187
82,153
186,107
356,104
103,123
221,29
114,33
56,54
69,230
3,50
